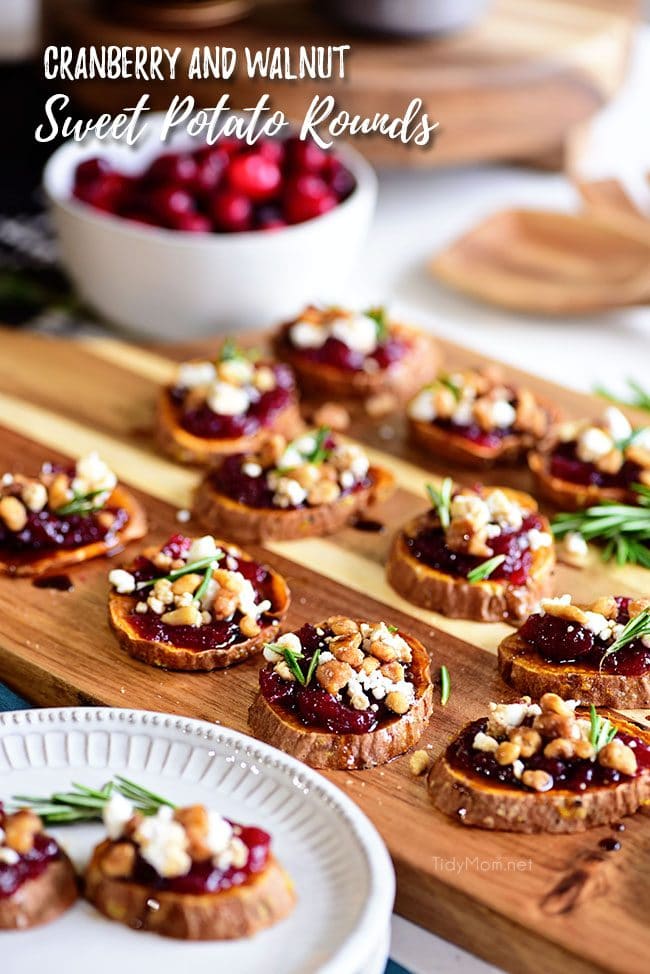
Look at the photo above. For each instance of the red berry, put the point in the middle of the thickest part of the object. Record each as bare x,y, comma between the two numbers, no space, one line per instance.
269,218
192,223
254,176
109,192
305,155
90,170
340,179
172,168
307,197
167,203
231,211
272,150
210,166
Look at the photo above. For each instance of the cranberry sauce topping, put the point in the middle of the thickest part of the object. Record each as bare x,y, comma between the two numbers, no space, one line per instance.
29,866
229,479
474,433
314,706
205,877
47,531
338,355
561,641
565,464
218,634
575,774
202,421
429,547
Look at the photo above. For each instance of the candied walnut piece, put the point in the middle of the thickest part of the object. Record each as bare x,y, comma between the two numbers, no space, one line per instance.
20,830
334,675
529,740
392,671
370,664
560,747
606,606
13,512
537,780
249,626
419,763
552,725
553,703
507,752
397,702
323,492
383,651
619,757
333,415
342,626
187,615
186,583
119,860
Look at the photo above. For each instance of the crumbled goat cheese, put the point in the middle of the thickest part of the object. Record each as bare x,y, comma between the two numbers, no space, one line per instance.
194,374
204,547
616,424
117,812
503,716
8,857
183,516
503,414
163,844
252,469
575,544
123,582
593,444
236,371
92,475
227,400
289,493
539,539
422,408
358,332
305,334
485,742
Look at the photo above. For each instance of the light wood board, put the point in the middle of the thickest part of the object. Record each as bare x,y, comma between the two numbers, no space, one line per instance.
511,899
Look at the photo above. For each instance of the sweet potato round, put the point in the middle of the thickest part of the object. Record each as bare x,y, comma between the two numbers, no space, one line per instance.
403,378
473,800
524,669
322,749
219,513
183,446
57,560
40,900
172,657
570,496
486,601
241,911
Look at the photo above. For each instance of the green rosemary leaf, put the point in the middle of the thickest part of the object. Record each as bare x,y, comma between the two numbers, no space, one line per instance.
194,566
141,794
313,664
207,578
623,529
441,501
291,658
392,629
84,804
229,351
601,731
82,504
320,453
639,398
636,628
445,380
445,685
485,569
380,318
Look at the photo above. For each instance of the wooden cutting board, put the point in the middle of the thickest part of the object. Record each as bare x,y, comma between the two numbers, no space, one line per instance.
513,86
511,899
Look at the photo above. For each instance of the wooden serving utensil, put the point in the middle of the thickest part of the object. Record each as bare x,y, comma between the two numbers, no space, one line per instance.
607,201
549,263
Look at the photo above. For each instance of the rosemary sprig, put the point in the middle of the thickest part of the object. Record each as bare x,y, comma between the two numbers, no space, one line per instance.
317,455
602,730
639,397
629,441
84,804
623,529
441,501
291,658
445,686
203,587
485,569
83,503
380,318
445,380
193,566
635,628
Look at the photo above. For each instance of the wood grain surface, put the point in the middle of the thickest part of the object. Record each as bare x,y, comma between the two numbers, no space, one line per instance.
506,897
556,62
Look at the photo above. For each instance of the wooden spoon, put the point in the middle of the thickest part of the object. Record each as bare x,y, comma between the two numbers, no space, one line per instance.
608,202
548,263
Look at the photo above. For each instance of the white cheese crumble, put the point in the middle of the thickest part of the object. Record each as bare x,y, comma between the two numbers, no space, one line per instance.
593,444
163,843
192,375
358,332
116,813
93,476
539,539
8,857
485,742
575,544
122,581
422,408
616,424
227,400
306,334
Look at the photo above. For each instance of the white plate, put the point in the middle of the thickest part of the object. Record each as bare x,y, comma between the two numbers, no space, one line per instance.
343,875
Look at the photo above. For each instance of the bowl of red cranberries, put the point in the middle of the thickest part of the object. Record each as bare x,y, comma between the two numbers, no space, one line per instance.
186,239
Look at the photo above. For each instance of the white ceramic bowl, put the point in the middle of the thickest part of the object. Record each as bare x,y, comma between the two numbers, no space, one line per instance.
168,284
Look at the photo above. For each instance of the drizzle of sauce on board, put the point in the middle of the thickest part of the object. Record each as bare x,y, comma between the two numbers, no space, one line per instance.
368,525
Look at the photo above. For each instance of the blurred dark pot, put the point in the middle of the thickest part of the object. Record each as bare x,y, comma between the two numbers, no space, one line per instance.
407,18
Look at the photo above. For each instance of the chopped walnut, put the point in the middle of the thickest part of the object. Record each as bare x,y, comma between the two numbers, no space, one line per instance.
334,675
347,649
323,492
20,830
419,763
607,606
393,671
561,748
186,583
34,495
118,861
507,752
13,513
397,702
618,756
342,626
59,492
249,627
529,740
332,415
537,780
187,615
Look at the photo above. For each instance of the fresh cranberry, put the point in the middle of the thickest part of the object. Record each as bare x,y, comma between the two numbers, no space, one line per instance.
273,150
210,167
269,217
319,708
307,197
231,211
168,203
109,192
556,639
172,167
91,170
177,546
389,352
192,223
305,156
340,179
255,177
